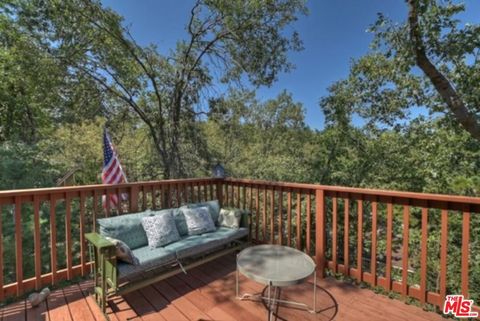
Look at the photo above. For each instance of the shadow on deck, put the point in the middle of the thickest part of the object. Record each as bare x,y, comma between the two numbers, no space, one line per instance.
208,293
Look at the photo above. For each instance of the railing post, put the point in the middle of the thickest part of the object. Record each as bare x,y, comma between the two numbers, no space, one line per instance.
134,198
219,189
320,236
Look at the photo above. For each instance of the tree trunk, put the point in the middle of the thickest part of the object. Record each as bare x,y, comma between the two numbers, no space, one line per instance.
445,89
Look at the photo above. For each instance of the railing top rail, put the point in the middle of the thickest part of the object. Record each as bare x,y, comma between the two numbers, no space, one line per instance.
66,189
364,191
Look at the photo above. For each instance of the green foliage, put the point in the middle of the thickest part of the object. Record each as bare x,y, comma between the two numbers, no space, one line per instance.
385,86
240,40
258,140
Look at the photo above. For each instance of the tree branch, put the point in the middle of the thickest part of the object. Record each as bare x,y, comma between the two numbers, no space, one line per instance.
467,119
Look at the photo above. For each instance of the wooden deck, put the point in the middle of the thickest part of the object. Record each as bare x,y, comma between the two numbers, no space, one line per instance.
208,293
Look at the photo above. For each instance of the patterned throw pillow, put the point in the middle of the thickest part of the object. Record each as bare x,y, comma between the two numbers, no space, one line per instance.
123,252
199,220
230,218
213,208
160,229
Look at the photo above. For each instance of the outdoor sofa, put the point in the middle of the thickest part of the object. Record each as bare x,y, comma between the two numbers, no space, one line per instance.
113,276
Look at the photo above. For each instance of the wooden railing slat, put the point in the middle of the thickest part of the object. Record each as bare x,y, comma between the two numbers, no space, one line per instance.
360,240
280,217
373,257
68,235
83,245
154,197
264,218
289,218
334,234
257,213
244,190
388,268
299,221
37,242
108,203
423,256
406,234
119,201
53,238
133,197
272,217
211,191
320,233
18,246
199,192
95,210
309,224
177,193
205,192
465,250
346,231
443,254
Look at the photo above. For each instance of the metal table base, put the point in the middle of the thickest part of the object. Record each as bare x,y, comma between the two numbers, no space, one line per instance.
270,301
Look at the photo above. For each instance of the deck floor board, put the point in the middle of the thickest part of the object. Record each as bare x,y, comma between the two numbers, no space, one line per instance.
208,293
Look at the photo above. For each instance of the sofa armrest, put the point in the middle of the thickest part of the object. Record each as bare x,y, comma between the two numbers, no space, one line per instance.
98,241
105,267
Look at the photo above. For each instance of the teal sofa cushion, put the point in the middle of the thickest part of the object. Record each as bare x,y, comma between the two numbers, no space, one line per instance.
148,258
213,208
180,222
192,245
126,228
225,234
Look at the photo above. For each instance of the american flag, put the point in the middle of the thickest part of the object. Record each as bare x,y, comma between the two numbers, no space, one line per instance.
112,172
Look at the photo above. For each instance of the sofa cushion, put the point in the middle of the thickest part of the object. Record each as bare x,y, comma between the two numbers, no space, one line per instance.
230,218
225,234
180,221
198,220
160,229
127,228
213,208
192,245
148,258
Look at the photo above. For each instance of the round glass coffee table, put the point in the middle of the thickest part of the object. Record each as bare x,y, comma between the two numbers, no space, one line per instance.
275,266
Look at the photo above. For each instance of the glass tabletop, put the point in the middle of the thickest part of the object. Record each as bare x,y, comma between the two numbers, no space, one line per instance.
275,264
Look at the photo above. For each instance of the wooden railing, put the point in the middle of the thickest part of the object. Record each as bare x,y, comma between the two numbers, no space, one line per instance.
374,236
384,238
42,230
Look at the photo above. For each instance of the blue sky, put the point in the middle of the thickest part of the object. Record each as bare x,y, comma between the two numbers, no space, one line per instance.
333,33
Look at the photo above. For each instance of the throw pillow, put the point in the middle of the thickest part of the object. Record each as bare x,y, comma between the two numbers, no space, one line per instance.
230,218
123,252
199,220
160,229
213,208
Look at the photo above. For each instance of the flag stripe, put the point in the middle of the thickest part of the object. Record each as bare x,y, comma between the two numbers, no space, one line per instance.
112,172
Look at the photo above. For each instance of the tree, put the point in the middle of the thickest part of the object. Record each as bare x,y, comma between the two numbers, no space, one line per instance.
386,85
238,39
258,139
36,91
